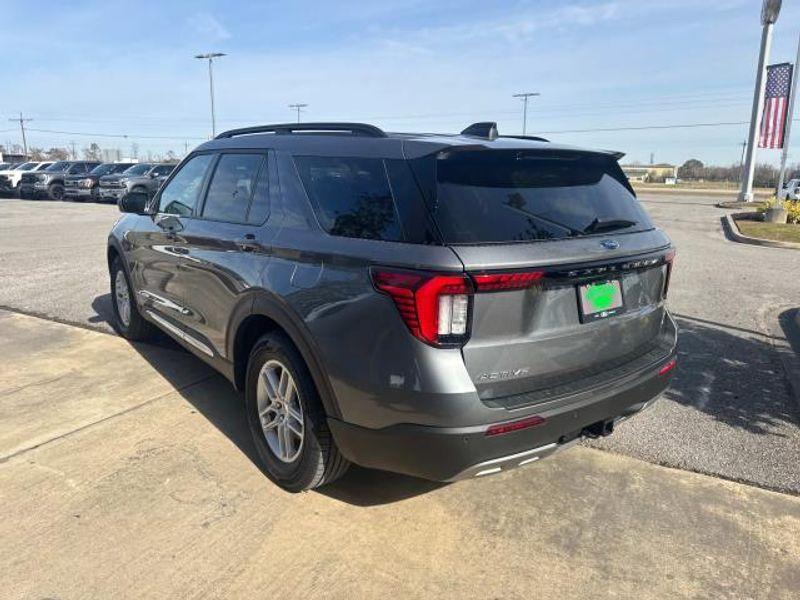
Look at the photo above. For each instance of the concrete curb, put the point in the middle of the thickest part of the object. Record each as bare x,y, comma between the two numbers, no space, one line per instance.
734,234
696,191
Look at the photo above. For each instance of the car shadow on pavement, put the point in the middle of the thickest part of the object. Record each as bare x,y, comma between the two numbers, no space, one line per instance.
213,396
733,375
105,311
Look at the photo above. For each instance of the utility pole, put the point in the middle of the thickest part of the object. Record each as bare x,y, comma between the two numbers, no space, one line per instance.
22,122
769,14
210,56
652,158
789,117
298,107
525,96
74,155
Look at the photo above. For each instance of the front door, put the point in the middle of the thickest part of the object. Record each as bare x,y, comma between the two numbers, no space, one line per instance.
159,245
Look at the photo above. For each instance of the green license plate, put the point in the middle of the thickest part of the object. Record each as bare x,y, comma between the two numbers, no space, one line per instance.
600,300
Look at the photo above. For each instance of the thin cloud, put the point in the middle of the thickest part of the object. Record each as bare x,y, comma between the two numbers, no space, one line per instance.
209,27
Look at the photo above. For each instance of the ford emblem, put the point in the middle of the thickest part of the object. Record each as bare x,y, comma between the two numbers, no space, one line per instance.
609,244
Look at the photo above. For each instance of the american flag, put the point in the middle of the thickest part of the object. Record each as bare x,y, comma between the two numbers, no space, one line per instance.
776,103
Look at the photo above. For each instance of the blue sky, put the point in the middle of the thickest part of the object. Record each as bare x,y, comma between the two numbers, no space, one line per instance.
108,67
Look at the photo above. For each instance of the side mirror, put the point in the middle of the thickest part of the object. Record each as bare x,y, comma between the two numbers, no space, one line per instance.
134,202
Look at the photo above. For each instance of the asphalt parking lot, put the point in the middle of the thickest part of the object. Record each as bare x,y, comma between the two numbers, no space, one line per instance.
117,461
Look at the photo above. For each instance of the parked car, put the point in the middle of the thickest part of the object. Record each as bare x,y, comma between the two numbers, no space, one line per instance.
50,181
86,186
446,307
10,181
142,177
790,191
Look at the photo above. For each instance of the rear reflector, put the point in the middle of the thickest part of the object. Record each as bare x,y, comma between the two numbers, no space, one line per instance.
493,282
668,367
526,423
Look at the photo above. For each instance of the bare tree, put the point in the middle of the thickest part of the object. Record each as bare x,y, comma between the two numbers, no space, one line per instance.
93,152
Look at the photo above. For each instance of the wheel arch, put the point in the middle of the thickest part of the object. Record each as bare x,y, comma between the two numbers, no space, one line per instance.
268,314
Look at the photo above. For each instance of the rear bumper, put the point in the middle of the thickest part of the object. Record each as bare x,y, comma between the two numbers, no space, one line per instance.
449,454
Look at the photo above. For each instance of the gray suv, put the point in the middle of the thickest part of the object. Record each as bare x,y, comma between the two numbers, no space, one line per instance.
444,306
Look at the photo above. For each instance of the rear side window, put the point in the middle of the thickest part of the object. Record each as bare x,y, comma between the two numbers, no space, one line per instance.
232,186
351,196
507,196
180,195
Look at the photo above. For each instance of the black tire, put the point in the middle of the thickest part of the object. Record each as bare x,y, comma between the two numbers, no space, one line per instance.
137,329
319,461
56,192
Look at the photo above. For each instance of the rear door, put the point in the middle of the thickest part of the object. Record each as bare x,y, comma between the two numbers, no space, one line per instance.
226,245
595,305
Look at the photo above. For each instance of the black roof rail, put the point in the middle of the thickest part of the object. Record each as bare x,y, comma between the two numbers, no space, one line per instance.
533,138
484,129
361,129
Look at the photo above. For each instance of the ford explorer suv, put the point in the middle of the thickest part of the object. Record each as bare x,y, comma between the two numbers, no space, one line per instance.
49,182
143,177
86,186
443,306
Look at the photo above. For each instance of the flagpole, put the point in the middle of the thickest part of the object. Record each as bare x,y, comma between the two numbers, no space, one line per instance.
746,193
789,118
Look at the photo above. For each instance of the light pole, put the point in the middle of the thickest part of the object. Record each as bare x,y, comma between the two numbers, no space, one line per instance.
298,107
769,14
790,116
210,56
525,97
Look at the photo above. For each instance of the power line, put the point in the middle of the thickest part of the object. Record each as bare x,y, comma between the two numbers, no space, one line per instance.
646,127
119,135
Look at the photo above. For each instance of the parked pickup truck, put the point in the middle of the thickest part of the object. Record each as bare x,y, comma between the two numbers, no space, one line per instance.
86,186
144,177
50,181
10,178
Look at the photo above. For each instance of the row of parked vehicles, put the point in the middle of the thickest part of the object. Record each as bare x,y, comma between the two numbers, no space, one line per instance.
81,180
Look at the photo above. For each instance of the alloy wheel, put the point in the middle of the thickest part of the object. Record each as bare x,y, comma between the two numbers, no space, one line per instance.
280,411
123,298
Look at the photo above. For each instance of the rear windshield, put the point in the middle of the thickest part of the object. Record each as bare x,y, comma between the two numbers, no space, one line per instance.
514,196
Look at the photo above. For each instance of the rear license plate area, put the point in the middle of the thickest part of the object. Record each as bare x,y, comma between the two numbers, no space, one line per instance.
600,300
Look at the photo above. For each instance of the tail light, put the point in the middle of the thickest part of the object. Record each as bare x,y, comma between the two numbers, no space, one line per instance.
670,260
436,307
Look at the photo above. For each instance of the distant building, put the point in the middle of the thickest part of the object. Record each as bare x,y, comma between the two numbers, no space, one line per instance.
8,157
644,173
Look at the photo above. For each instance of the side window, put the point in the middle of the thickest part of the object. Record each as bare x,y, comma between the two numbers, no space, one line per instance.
231,187
76,169
351,196
259,207
163,170
181,194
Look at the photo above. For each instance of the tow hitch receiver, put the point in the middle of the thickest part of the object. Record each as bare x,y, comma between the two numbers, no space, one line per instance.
599,429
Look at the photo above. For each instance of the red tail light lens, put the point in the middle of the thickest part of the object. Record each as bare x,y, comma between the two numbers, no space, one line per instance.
670,260
435,307
494,282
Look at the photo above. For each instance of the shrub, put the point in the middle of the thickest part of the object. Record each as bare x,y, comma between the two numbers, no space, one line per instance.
792,208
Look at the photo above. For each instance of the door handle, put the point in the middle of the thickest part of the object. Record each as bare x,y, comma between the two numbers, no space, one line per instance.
247,243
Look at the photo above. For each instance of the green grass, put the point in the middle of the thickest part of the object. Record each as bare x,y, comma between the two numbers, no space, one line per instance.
778,232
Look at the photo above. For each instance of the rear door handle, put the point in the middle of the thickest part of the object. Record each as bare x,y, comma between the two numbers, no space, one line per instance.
247,243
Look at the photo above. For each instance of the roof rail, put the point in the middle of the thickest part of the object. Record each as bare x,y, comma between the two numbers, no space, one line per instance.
484,129
533,138
360,129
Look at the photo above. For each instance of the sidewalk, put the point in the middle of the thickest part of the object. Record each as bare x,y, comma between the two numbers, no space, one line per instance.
128,472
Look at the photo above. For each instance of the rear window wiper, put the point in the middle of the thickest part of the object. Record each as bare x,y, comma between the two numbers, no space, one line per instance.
599,225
